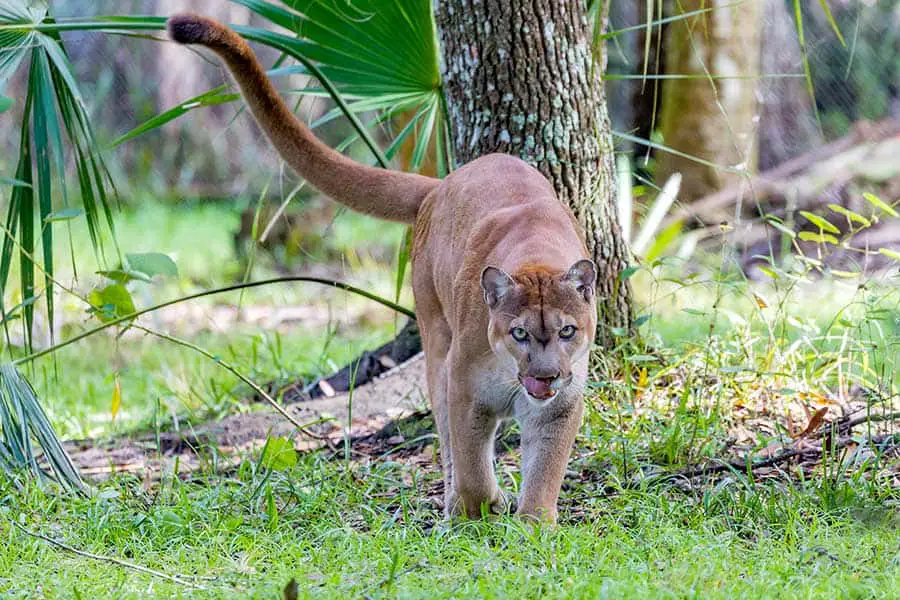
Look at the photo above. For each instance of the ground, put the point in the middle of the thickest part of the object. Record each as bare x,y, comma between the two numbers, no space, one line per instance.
726,372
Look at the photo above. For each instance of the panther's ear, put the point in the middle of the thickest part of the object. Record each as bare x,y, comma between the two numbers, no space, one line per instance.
583,275
495,283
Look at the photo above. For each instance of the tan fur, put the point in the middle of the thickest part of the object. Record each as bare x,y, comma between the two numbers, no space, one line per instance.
494,253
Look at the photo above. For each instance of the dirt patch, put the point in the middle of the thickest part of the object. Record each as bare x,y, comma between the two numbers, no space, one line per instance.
388,418
375,411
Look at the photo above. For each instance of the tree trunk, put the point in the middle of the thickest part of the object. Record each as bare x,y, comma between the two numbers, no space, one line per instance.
520,78
787,125
714,120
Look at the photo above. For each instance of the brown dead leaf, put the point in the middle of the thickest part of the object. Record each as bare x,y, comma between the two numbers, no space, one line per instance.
814,423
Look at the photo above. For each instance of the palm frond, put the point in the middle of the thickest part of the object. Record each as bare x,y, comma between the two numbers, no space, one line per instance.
24,425
54,113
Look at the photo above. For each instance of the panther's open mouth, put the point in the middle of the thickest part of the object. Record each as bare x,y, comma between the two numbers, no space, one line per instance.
541,388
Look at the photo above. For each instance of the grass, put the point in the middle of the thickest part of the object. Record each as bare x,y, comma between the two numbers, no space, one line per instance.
350,531
367,528
177,382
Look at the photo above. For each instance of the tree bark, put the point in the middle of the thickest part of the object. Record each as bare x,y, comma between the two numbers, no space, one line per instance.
787,125
521,78
711,119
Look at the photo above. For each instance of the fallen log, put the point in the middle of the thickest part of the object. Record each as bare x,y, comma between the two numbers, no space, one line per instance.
870,152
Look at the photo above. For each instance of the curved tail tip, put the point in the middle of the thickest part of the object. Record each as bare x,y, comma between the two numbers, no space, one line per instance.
189,28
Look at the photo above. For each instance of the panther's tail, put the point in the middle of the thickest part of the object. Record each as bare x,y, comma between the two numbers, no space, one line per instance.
385,194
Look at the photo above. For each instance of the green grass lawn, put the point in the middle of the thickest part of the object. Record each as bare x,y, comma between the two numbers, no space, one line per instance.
368,529
362,532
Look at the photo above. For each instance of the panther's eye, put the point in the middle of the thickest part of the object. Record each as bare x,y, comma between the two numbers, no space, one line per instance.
519,334
567,332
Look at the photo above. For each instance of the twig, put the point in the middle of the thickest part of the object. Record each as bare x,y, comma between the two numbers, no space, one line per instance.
229,288
737,465
709,208
302,428
108,559
848,425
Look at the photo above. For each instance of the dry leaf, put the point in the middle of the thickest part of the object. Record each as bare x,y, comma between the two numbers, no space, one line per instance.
116,397
814,423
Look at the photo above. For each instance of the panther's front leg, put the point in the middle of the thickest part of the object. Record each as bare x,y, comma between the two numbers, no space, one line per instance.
548,434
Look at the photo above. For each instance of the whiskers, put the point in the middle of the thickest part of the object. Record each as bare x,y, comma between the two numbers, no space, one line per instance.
512,388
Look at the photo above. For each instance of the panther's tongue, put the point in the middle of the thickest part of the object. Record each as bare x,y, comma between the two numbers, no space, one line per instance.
537,387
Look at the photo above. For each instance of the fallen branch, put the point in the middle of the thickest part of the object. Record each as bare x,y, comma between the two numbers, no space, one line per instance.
750,466
803,178
845,426
361,370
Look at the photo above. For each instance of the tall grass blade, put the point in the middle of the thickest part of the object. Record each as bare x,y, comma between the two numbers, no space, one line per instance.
804,57
830,18
657,213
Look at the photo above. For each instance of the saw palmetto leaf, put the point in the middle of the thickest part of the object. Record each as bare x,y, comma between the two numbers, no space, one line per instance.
54,114
22,422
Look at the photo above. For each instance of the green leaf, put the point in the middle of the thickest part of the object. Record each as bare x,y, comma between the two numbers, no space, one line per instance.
641,320
65,214
21,196
777,224
279,454
642,358
125,275
25,213
819,238
5,103
878,203
116,398
48,160
403,261
211,98
889,253
111,302
22,420
367,49
664,240
804,57
12,313
852,216
769,272
271,508
14,182
628,272
820,222
152,263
